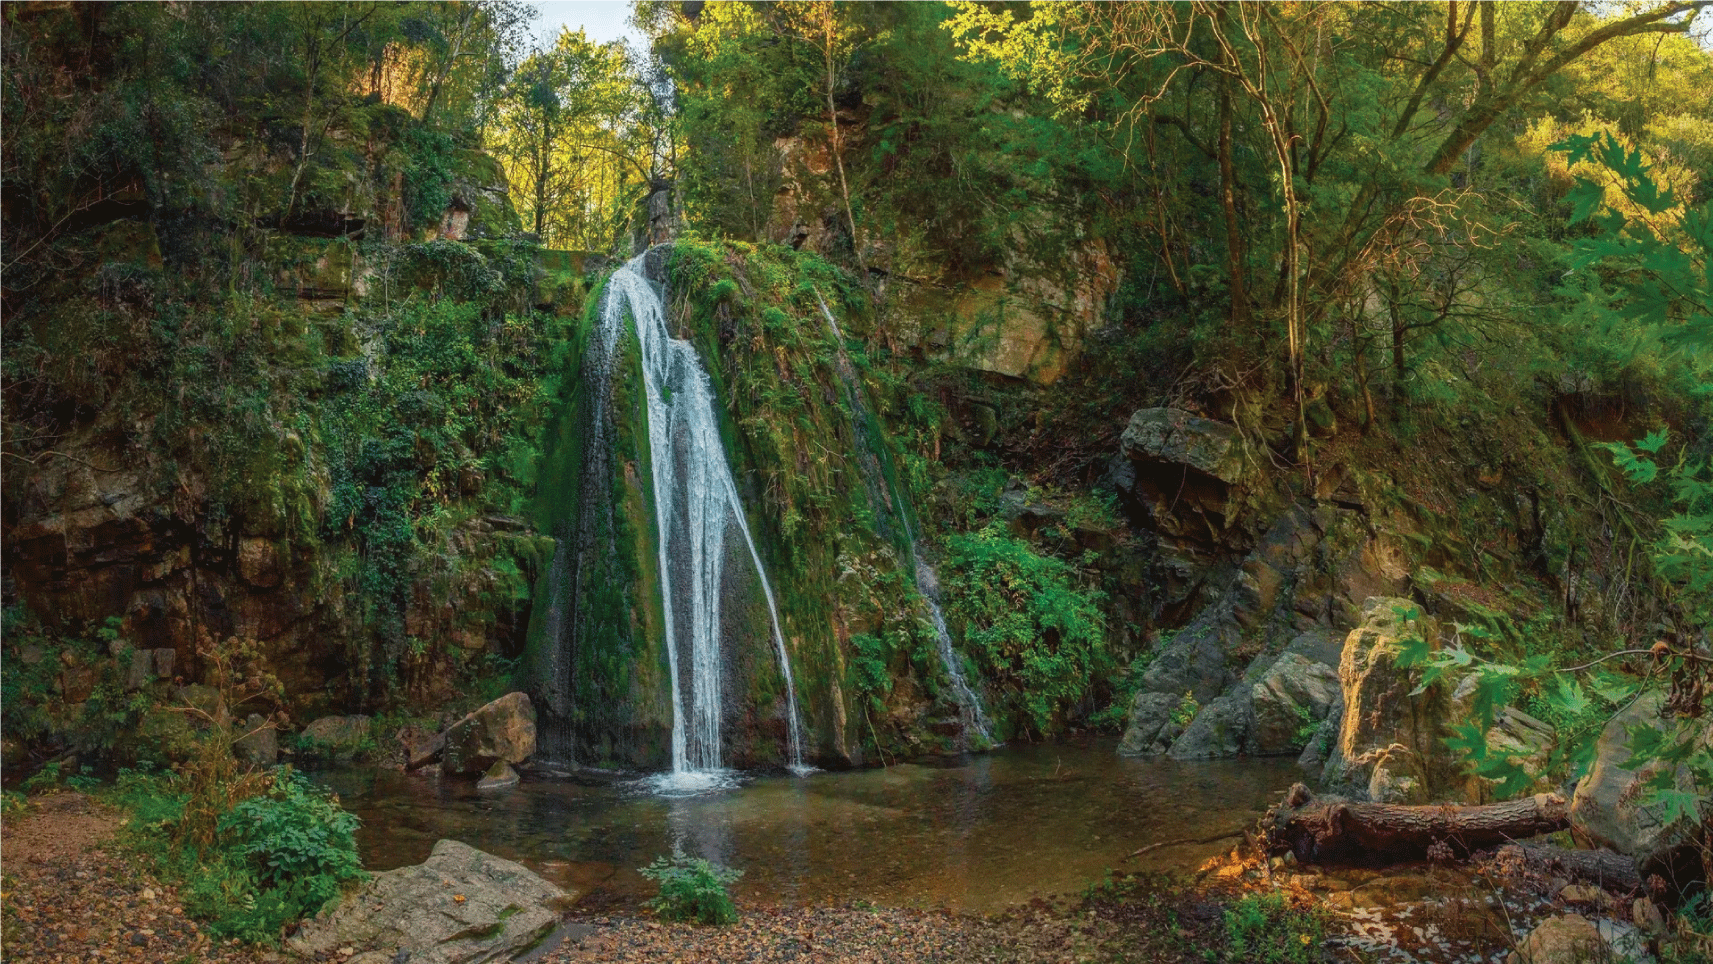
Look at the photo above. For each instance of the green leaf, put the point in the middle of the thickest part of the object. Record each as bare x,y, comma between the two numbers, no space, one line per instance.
1654,441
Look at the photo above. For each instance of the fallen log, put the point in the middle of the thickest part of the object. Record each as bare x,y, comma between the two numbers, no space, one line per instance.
1334,830
1603,868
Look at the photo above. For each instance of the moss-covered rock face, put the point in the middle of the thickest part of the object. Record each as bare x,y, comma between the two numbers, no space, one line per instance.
274,417
819,485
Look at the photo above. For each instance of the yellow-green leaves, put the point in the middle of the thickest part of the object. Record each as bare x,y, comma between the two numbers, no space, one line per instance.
1036,50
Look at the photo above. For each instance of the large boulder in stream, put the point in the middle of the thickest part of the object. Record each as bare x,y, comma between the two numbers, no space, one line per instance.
1612,806
461,906
1391,745
501,732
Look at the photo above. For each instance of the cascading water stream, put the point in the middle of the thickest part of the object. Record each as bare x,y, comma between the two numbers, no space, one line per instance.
927,580
696,505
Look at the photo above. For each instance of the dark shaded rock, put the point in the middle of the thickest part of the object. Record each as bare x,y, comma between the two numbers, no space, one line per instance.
500,776
1150,730
260,743
1221,729
1294,696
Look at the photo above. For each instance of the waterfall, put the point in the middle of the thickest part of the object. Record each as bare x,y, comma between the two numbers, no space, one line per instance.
927,580
696,508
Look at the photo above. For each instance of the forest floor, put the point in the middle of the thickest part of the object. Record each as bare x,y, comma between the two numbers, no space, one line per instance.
72,892
1173,927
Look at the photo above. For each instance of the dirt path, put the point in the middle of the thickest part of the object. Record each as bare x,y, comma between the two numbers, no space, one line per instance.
70,894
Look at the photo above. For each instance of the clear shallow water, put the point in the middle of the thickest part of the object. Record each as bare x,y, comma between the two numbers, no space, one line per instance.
979,833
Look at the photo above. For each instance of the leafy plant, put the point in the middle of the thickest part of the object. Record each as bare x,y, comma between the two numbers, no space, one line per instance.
1186,710
295,839
1266,929
693,889
1039,636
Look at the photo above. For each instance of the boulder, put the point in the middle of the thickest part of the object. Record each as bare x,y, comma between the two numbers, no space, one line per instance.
1290,702
1221,729
1561,940
260,743
500,776
1178,438
1611,807
1150,730
335,737
1197,659
1391,744
461,906
503,730
1321,746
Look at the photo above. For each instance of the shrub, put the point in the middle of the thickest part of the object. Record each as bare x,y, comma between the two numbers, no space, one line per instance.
693,889
251,851
1265,929
296,839
1040,636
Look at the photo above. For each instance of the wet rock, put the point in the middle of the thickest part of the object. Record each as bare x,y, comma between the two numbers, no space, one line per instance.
1391,743
1561,940
461,906
1611,806
1150,730
500,776
1290,702
503,730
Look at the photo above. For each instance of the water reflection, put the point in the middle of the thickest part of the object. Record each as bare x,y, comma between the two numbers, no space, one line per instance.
978,833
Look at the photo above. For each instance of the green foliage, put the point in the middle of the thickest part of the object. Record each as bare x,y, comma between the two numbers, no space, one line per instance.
692,889
871,669
1266,929
1185,711
1683,554
1655,251
427,175
278,856
1039,636
294,839
67,688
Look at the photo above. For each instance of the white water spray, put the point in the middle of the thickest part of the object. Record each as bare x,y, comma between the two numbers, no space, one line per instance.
696,504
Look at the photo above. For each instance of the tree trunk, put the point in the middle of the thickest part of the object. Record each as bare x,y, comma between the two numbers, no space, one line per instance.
1334,830
1228,201
1609,870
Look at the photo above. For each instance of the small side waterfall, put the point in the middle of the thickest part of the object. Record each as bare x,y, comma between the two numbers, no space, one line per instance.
696,507
927,580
